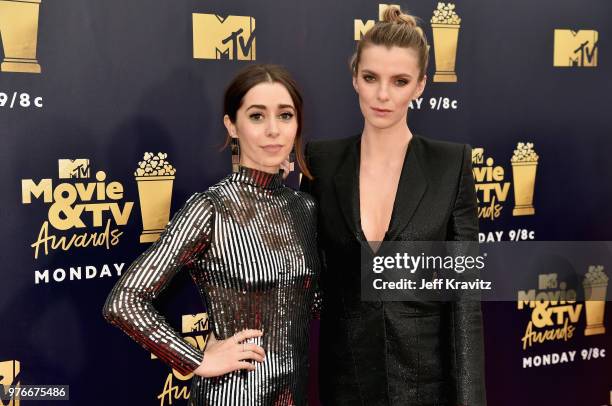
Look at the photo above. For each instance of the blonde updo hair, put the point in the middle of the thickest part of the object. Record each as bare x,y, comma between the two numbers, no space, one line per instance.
395,29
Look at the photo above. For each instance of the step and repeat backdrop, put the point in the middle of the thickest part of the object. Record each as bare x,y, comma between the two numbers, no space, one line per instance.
111,116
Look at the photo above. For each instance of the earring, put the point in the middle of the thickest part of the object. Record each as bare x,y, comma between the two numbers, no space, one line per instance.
235,147
292,160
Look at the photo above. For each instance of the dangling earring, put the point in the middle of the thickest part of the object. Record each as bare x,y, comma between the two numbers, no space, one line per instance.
292,160
235,146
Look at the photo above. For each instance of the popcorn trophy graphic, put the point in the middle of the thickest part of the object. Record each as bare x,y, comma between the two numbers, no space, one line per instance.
524,165
445,24
595,286
19,28
155,177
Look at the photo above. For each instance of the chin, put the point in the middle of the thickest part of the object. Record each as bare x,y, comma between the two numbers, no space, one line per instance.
382,123
270,162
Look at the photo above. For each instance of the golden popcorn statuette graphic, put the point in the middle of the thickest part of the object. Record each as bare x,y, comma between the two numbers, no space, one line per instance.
524,166
19,28
9,376
155,177
575,48
216,37
445,25
595,285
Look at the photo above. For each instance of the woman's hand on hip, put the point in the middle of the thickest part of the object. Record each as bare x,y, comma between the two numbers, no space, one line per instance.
232,354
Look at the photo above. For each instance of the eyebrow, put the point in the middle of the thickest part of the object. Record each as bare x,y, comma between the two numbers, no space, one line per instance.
262,107
394,76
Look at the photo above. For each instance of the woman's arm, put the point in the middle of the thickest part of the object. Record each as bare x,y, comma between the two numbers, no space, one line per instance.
465,315
129,305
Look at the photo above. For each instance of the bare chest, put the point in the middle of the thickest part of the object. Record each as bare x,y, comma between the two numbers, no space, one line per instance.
377,191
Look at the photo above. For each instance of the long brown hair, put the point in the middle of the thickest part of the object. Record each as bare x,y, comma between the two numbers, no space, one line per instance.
266,73
395,29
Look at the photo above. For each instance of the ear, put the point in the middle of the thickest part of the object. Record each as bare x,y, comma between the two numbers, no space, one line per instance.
420,87
231,127
355,83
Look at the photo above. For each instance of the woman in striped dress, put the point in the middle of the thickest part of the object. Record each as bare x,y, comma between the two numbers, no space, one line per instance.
250,245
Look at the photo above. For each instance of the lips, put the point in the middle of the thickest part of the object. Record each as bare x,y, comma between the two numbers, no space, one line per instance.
272,148
380,112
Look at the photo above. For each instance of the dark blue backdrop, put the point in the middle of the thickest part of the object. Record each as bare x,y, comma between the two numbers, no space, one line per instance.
119,79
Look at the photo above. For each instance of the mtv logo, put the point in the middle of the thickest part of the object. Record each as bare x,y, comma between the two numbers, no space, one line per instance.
73,168
547,281
194,322
362,27
575,48
9,371
478,156
215,37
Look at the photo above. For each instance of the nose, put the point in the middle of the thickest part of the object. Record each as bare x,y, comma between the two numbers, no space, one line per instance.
382,93
273,130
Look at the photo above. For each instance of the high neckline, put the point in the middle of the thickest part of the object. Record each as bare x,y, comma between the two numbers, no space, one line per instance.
258,178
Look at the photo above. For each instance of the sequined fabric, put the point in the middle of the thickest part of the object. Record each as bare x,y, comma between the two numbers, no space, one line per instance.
250,243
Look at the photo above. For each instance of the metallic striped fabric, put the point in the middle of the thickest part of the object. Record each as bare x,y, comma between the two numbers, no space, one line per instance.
250,246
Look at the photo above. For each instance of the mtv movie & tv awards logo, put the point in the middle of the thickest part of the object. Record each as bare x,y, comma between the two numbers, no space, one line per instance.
493,186
84,209
77,204
555,314
554,311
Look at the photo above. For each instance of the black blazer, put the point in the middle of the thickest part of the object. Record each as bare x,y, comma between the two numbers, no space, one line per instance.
395,353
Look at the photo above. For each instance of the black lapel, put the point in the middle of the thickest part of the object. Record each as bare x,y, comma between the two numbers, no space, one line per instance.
410,190
345,182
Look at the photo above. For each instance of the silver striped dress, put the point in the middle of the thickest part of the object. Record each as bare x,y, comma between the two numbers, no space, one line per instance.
250,245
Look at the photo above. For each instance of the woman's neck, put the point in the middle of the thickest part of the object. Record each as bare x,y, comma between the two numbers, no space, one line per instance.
385,146
262,168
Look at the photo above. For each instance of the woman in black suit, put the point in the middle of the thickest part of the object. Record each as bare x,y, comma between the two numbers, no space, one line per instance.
388,184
